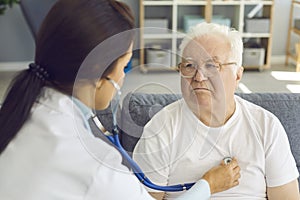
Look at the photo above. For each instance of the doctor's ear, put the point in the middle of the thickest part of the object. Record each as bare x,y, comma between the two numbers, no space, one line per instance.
98,83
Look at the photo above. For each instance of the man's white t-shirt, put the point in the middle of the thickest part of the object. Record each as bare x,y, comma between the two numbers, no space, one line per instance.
176,148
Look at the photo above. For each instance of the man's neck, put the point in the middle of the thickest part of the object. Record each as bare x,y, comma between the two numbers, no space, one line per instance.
215,116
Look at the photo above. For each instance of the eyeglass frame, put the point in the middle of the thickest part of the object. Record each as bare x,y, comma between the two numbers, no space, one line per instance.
218,67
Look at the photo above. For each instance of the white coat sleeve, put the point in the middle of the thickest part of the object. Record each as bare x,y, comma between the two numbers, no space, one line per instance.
199,191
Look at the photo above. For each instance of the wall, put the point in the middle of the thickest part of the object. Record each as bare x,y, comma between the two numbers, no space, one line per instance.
17,44
16,41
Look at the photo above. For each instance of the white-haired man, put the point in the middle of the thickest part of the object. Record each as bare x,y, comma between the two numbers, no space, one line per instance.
191,135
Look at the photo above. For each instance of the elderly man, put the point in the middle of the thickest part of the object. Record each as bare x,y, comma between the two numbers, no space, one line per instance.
191,135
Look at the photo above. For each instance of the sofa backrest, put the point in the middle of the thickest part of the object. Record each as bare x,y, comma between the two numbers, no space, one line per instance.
139,108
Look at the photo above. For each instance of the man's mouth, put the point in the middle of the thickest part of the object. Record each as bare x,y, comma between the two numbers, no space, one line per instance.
200,89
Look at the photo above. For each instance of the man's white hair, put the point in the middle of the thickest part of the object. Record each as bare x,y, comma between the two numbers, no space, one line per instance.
204,28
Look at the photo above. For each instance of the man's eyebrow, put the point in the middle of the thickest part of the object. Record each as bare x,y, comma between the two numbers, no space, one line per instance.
188,59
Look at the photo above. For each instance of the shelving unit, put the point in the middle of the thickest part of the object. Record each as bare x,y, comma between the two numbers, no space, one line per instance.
174,10
294,55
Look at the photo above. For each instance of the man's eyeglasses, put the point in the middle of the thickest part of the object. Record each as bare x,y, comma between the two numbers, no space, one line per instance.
209,68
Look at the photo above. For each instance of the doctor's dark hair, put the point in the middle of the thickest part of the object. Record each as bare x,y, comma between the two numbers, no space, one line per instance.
70,31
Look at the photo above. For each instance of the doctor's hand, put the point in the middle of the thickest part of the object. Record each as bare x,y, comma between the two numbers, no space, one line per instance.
223,176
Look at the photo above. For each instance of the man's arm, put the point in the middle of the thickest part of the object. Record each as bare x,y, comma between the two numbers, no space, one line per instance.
289,191
217,179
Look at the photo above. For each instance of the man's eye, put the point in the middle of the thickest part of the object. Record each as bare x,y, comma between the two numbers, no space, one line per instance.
210,65
188,65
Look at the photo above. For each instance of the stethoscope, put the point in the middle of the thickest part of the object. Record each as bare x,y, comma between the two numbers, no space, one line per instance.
114,139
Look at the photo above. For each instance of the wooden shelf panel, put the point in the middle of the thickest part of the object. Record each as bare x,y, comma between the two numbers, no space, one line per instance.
157,3
190,2
229,3
256,35
157,36
295,56
292,56
147,68
255,2
296,2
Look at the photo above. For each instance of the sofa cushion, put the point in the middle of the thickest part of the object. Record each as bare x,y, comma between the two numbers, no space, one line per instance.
139,108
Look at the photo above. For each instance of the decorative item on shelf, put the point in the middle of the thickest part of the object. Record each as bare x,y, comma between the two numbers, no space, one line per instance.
4,4
159,25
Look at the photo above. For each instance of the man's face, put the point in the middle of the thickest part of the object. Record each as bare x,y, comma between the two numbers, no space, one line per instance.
213,91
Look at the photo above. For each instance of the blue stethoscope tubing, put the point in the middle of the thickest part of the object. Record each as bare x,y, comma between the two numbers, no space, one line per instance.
114,139
138,172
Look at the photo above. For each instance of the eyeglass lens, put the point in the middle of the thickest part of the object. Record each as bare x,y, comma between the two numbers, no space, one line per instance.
189,68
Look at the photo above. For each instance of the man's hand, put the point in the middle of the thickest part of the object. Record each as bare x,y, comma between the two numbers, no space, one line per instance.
223,177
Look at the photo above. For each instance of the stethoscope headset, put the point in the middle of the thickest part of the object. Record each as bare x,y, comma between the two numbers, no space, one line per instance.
114,139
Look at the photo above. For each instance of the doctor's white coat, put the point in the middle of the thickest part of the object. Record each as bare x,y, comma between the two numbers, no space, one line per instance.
54,157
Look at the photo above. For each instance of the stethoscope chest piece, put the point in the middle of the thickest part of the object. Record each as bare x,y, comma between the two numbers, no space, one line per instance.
227,160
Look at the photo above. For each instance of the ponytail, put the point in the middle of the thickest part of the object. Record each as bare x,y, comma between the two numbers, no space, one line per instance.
22,93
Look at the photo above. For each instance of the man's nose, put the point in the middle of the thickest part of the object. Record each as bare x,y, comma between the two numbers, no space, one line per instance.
199,75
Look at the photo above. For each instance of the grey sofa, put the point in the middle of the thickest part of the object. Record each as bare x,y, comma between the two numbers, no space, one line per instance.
137,110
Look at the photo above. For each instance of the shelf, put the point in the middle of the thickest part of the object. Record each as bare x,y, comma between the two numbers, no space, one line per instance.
289,55
229,3
292,56
256,35
158,36
189,2
255,2
235,10
147,68
157,3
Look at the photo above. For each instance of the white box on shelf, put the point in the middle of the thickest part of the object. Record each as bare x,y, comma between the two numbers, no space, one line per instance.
253,57
159,25
190,21
158,58
257,25
221,20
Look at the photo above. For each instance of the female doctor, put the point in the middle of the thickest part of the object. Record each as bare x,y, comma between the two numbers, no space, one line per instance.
47,149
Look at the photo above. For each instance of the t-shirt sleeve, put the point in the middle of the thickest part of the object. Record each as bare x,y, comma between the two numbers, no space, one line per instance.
152,152
280,163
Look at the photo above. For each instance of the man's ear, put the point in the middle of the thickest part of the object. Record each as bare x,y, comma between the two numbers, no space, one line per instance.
239,74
